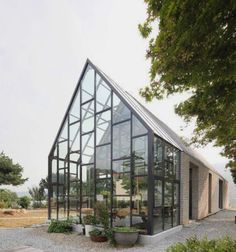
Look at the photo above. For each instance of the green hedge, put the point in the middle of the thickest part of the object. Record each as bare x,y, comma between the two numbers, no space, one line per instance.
193,244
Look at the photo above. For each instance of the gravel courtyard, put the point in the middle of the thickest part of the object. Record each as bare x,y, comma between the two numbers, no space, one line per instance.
218,225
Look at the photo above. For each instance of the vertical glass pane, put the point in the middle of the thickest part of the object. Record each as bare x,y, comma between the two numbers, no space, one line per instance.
120,111
140,155
167,205
176,194
158,157
103,160
121,140
87,188
103,191
121,211
63,149
121,177
157,220
158,192
54,171
138,128
175,216
88,117
87,84
75,109
103,127
75,138
88,148
103,95
88,180
64,131
176,164
140,196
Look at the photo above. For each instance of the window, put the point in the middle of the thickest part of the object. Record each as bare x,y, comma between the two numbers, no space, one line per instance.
120,111
88,117
121,140
103,127
138,128
87,84
140,155
103,96
88,148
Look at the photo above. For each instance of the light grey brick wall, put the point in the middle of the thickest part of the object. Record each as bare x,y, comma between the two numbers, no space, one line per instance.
200,187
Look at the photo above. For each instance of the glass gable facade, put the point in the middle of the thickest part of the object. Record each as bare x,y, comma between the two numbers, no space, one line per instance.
105,152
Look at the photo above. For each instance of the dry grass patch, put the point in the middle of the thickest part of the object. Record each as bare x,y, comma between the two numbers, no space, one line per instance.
10,218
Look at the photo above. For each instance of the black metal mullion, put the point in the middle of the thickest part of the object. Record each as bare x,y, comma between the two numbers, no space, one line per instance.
111,142
95,137
57,214
131,166
68,169
81,153
150,181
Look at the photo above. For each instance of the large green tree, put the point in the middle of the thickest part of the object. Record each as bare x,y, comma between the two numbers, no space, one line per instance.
10,173
192,47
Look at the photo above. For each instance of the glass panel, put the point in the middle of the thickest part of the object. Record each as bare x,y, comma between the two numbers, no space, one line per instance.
103,95
138,128
141,223
168,170
88,117
176,164
88,148
140,196
121,140
175,216
158,193
103,127
87,84
64,131
87,205
54,171
120,111
75,142
140,155
121,211
176,194
63,149
75,109
157,220
167,217
168,194
121,177
62,176
74,188
103,191
103,160
158,157
74,204
88,180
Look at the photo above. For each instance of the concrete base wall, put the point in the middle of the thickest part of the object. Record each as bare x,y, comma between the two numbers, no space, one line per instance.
148,239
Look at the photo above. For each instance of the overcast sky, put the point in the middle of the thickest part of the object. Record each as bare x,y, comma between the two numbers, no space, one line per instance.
43,47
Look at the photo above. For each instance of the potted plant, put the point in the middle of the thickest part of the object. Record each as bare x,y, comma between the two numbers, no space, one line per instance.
125,236
89,222
98,235
77,226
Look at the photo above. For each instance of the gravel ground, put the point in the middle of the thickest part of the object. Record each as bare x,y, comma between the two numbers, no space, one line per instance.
218,225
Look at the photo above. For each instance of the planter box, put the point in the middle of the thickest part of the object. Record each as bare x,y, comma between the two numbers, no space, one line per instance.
88,228
78,228
126,239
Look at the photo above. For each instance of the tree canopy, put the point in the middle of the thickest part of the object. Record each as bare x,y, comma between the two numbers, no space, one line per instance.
195,50
10,173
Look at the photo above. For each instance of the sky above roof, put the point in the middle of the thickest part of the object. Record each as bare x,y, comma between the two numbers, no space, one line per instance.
43,47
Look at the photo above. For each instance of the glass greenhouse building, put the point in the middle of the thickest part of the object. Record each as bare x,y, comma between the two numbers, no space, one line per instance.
110,148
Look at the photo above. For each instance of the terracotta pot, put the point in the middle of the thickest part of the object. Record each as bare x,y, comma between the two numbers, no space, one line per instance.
98,238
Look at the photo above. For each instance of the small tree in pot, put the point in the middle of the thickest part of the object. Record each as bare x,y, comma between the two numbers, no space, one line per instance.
102,216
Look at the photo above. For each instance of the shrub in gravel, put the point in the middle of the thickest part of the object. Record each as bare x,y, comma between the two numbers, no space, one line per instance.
193,244
60,226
